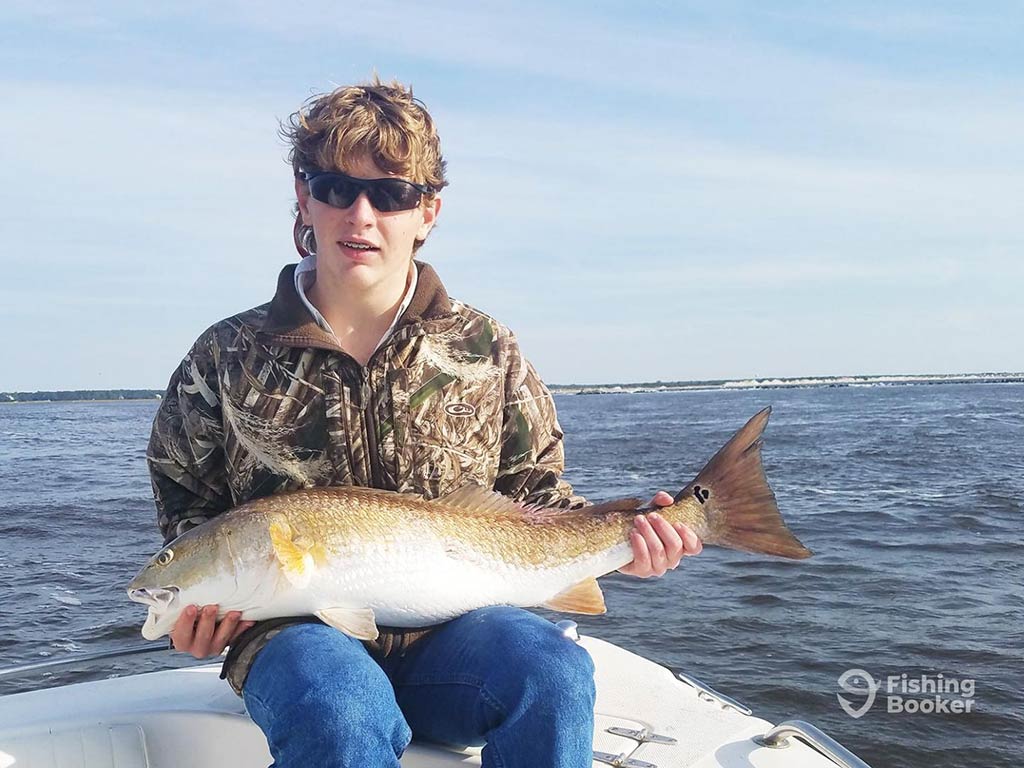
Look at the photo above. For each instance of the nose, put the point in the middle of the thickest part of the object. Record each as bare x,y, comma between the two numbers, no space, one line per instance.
361,212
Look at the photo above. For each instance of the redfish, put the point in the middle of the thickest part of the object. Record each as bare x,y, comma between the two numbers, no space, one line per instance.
359,557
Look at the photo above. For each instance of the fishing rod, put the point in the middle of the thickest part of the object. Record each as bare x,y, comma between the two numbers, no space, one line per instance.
131,650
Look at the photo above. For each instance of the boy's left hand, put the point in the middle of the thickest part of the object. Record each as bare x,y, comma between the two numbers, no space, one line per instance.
658,546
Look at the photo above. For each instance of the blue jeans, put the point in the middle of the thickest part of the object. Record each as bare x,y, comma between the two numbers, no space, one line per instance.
500,676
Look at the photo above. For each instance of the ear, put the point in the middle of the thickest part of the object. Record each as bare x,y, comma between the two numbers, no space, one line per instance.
302,195
430,212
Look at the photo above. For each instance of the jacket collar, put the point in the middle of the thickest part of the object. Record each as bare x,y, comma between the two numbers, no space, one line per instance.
288,322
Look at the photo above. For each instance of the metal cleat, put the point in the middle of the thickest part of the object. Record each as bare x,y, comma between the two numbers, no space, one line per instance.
644,735
621,760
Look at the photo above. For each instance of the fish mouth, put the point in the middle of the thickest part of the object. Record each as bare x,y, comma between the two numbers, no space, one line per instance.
157,598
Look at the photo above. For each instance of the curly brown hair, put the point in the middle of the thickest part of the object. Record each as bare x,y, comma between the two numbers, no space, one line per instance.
382,120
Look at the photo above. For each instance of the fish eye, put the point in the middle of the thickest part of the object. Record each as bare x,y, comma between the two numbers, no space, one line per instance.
165,557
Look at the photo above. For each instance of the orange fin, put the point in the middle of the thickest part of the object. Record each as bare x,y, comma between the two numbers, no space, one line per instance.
295,554
585,597
737,501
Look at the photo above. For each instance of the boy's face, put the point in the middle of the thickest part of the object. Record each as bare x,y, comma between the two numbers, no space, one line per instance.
341,231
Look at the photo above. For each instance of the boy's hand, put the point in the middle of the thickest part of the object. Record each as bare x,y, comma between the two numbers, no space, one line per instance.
198,632
658,546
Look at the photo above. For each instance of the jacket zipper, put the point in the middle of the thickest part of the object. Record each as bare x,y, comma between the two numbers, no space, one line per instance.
367,407
370,416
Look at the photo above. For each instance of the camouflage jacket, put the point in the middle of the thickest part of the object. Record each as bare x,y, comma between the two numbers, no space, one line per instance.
266,401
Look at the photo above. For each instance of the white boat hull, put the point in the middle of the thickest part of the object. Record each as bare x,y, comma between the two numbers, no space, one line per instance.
190,718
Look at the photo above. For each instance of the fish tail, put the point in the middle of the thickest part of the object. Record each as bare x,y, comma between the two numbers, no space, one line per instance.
738,503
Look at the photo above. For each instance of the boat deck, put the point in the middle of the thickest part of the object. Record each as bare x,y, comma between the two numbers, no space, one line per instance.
647,717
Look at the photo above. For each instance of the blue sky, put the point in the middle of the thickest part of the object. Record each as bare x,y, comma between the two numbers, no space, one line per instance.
660,190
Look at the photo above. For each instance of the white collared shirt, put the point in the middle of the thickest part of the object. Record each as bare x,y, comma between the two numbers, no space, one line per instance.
305,276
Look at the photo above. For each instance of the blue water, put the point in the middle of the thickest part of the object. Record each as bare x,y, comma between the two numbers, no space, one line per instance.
910,496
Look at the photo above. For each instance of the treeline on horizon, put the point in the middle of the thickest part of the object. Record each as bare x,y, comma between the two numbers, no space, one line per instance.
81,394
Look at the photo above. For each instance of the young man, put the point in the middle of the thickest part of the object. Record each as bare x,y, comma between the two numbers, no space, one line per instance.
363,371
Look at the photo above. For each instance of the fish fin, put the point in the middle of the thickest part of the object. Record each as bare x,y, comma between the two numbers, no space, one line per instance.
585,597
613,508
359,623
476,499
294,553
607,509
314,548
739,504
616,506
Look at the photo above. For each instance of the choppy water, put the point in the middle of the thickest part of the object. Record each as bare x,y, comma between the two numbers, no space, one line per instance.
911,498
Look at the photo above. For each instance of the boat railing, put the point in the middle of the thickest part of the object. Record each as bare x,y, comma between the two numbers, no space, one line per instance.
779,736
706,692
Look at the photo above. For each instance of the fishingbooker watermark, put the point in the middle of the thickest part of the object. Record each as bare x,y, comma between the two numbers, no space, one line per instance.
906,694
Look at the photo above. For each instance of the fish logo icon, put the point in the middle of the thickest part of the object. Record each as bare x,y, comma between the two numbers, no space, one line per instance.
861,682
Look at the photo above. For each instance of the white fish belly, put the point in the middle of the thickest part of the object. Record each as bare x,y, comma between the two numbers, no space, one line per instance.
432,585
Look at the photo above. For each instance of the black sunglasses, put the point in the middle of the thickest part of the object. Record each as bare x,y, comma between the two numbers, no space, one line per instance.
340,190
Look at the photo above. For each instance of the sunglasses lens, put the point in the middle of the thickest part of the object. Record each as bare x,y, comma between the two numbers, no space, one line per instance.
336,191
386,195
393,195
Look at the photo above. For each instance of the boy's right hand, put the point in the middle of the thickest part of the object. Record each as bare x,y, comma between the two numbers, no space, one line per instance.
198,632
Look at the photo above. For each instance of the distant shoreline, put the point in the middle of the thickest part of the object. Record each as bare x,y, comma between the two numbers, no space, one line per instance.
81,395
803,382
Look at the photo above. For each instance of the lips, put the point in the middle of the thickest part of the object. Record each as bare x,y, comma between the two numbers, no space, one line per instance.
358,245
